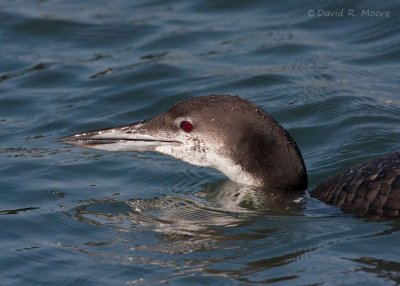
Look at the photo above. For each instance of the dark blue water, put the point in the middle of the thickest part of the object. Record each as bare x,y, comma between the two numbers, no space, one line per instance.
72,216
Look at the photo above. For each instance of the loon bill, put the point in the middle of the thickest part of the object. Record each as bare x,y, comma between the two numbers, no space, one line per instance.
246,144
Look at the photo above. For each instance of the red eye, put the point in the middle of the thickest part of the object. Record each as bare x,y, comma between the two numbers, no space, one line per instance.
186,126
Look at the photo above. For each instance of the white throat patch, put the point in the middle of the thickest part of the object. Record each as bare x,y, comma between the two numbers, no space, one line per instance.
209,158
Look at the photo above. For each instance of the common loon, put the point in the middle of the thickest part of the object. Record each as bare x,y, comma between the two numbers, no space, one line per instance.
246,144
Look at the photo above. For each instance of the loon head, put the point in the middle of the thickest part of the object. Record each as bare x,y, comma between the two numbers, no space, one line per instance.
224,132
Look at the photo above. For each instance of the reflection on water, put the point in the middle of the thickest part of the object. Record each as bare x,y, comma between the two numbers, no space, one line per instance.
216,218
262,240
148,231
222,204
388,270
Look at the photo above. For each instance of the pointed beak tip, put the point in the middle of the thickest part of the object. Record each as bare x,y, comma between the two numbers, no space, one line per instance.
70,139
67,140
64,139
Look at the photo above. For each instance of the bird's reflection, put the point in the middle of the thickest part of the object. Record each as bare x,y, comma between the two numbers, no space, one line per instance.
223,222
221,204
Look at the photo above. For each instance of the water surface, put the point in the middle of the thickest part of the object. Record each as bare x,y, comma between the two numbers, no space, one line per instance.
72,216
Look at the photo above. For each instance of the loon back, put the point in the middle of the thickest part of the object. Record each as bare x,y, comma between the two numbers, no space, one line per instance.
370,188
245,143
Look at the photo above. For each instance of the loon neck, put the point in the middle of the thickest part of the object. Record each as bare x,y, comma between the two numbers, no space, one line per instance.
274,159
265,151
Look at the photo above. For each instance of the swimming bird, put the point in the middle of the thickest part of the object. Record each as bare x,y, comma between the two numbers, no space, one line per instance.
250,147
